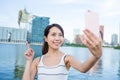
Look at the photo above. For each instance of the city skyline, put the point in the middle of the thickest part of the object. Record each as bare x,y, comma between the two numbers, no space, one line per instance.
69,14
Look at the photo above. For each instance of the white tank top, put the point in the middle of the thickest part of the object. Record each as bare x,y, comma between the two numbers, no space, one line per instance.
58,72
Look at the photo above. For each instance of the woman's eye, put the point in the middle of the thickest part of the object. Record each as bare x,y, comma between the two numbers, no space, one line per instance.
53,34
60,35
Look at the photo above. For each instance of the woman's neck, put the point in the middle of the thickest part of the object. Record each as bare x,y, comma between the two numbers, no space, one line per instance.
52,52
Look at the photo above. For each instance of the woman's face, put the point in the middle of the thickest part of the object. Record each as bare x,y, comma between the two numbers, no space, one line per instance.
55,38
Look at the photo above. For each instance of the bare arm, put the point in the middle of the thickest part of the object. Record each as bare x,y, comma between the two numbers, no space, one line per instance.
30,69
26,74
94,45
31,66
34,68
82,67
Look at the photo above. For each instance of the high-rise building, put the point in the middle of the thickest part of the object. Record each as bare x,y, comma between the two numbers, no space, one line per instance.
25,20
38,26
8,34
101,29
77,39
35,26
75,33
114,39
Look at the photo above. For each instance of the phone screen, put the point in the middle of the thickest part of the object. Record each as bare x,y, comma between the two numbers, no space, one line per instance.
92,23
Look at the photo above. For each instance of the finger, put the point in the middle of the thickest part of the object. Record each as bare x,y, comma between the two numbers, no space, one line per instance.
90,44
90,35
85,40
30,50
28,45
28,53
92,39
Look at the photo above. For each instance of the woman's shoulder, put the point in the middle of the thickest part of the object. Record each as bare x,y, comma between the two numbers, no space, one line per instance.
67,54
36,60
68,57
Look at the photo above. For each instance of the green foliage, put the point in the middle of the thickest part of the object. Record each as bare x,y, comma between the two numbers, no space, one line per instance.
117,47
74,45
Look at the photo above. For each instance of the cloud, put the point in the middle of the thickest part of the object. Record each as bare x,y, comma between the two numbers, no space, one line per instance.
66,1
110,8
113,14
112,4
7,22
3,19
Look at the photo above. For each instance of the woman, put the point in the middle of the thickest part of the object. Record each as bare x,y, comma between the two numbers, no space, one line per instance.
54,64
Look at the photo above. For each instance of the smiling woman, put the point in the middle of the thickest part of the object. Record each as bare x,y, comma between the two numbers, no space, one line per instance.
55,64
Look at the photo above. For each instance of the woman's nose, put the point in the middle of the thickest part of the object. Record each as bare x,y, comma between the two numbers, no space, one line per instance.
57,37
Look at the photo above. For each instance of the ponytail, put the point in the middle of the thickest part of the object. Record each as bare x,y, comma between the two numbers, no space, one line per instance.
44,48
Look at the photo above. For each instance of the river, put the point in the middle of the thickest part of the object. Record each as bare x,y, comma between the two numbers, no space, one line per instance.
12,62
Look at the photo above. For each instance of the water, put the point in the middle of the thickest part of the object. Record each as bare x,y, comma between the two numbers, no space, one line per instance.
12,63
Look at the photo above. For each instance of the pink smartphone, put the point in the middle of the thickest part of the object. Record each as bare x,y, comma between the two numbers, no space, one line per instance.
92,23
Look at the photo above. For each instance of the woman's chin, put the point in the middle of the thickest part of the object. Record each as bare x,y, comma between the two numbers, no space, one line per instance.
56,47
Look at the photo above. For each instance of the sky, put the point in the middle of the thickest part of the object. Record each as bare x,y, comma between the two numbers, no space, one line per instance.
70,14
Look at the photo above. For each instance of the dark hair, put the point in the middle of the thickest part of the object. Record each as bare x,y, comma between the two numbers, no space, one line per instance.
46,32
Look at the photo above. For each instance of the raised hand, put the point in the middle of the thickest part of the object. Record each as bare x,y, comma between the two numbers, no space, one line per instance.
29,53
92,42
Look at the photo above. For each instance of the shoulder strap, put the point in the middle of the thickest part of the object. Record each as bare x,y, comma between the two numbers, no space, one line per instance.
40,60
63,60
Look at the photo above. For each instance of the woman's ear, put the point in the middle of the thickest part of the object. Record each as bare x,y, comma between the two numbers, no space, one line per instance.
45,38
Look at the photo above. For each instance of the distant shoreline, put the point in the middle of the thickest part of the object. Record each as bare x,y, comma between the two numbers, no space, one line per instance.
20,43
66,45
117,47
12,43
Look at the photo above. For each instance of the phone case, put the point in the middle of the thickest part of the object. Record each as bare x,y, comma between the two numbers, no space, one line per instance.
92,22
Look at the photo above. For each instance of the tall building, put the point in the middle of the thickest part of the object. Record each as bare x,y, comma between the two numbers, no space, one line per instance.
77,39
75,33
114,39
101,29
25,19
8,34
35,26
38,26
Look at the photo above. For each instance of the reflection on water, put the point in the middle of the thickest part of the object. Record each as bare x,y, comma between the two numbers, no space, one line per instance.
12,63
18,72
20,59
119,65
96,71
97,68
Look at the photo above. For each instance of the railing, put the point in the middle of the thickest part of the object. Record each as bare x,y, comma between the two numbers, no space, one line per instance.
6,41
